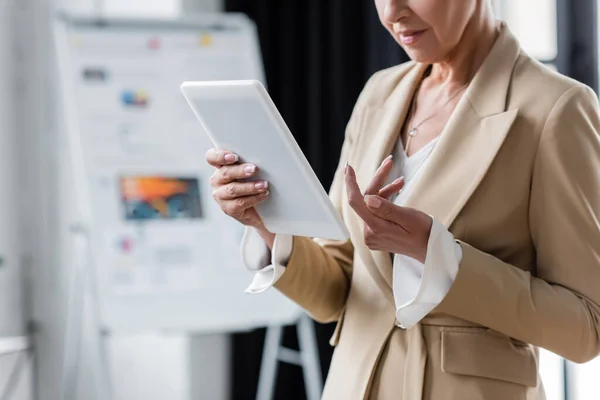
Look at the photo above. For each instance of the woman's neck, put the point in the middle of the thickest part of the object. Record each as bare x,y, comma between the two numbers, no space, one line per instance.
464,61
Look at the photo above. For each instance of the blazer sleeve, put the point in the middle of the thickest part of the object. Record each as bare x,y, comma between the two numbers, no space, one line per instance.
559,308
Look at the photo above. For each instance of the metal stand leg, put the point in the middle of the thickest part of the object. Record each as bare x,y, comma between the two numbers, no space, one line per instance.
268,366
76,307
309,353
83,316
566,380
307,358
98,345
98,360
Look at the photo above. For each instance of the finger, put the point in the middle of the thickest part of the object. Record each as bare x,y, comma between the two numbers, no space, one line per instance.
239,205
355,197
230,173
392,188
385,209
380,176
219,157
234,190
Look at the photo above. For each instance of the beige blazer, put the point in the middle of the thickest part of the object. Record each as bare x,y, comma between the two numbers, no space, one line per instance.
515,176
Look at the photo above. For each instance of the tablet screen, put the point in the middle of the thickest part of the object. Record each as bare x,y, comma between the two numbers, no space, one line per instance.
265,148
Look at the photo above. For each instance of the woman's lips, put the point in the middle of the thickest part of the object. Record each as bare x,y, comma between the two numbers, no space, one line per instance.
410,37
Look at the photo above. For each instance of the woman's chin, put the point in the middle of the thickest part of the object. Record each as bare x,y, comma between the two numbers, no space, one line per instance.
420,55
423,57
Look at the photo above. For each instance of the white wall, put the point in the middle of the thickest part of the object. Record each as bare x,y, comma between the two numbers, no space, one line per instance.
584,381
12,311
11,308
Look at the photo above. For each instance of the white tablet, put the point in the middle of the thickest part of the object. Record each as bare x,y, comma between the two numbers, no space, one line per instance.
240,116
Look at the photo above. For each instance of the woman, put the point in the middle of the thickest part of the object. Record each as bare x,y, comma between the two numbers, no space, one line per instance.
492,246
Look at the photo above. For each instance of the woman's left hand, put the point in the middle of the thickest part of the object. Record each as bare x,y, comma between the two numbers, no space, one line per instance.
388,227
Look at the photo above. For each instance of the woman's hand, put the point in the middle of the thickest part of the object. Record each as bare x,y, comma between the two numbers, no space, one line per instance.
238,199
388,227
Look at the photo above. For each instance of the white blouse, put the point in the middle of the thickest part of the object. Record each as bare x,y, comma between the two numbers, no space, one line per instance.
418,288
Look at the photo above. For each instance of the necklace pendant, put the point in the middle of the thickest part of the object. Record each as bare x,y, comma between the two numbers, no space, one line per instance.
413,132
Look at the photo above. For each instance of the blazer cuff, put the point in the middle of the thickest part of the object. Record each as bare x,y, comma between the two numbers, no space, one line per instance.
419,288
269,266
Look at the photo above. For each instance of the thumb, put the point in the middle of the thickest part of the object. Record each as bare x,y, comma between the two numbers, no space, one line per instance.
383,208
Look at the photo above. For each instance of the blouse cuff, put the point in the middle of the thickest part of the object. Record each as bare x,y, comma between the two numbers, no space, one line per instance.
418,287
268,266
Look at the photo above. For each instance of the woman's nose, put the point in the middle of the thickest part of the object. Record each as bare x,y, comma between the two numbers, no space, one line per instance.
395,10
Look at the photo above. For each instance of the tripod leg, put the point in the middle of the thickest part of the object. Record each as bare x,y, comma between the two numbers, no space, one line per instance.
75,304
98,346
309,354
268,366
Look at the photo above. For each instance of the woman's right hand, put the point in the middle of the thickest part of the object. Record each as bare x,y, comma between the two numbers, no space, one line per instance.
237,199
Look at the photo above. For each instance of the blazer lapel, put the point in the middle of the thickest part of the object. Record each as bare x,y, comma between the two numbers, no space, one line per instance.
465,150
459,163
472,137
385,124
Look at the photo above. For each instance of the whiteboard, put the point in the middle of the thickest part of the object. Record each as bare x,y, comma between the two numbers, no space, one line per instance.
164,256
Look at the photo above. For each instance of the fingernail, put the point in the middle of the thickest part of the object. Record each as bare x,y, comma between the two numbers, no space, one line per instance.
231,157
397,181
261,185
373,201
387,159
249,169
346,166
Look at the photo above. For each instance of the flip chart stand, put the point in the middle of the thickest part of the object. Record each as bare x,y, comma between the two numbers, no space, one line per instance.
307,358
83,311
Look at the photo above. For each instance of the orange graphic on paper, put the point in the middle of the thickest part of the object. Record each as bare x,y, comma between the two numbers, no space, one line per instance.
152,190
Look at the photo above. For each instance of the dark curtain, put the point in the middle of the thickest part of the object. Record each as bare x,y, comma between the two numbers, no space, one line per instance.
577,25
318,54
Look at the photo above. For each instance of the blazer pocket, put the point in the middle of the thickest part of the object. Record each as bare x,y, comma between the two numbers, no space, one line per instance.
486,355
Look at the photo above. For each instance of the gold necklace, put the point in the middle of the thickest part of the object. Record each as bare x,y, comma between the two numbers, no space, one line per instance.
415,128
